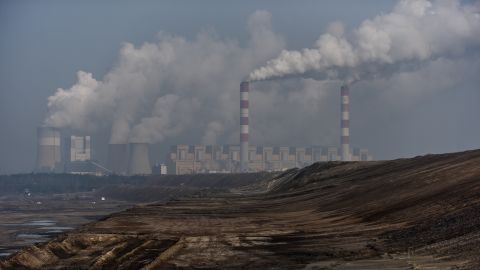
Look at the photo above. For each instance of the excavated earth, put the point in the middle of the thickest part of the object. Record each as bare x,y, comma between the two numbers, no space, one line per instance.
419,213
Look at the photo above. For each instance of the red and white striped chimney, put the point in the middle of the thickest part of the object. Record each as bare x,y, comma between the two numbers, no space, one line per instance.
345,123
244,90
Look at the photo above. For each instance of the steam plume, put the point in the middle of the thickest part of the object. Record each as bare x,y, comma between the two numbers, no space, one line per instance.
161,89
414,32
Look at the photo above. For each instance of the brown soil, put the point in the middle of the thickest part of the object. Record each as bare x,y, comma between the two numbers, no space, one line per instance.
419,213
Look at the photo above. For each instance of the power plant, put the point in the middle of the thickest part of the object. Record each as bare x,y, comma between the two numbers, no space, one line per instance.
138,160
57,153
80,148
189,159
73,154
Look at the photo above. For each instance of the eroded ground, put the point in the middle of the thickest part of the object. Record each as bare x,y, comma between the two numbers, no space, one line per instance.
25,220
420,213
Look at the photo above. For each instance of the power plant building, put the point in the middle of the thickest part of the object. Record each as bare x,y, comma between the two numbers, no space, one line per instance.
73,154
57,153
188,159
80,159
80,148
159,169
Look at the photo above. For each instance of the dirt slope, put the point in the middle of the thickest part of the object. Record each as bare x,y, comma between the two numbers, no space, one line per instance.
419,213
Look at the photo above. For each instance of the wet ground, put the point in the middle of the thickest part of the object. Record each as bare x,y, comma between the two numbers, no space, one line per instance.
35,208
27,220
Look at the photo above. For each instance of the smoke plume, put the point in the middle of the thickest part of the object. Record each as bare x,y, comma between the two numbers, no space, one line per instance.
414,32
159,90
186,90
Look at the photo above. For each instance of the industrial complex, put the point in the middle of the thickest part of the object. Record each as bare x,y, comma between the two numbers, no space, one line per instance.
187,159
60,153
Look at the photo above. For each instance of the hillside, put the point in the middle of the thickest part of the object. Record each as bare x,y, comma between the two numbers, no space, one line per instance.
418,213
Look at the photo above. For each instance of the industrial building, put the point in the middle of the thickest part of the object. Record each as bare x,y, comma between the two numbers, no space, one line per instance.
80,148
188,159
159,169
80,157
59,153
73,154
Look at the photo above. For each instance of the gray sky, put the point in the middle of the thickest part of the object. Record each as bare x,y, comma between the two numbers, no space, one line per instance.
429,110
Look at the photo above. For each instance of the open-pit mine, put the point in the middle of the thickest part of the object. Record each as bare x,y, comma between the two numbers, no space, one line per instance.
417,213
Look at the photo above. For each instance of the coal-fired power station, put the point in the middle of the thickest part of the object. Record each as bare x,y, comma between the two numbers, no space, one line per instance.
244,107
59,151
49,154
345,123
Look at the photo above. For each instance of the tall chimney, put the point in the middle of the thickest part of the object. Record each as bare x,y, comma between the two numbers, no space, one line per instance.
345,123
139,162
244,89
118,158
48,150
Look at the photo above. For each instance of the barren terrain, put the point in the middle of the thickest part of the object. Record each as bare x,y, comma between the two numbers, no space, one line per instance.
25,220
418,213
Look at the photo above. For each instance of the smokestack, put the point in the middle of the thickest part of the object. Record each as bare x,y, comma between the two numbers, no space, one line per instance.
48,149
244,89
118,158
139,162
345,123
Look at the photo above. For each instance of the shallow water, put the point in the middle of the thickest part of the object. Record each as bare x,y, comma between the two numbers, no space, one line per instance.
32,232
30,236
57,228
45,222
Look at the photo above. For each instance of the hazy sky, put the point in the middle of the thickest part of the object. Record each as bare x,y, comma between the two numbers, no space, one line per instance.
44,44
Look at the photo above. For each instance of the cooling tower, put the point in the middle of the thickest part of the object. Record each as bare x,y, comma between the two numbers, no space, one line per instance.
345,123
48,149
139,162
118,158
244,107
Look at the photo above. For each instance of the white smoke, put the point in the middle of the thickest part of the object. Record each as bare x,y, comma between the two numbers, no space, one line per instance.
414,32
214,130
159,90
183,89
71,105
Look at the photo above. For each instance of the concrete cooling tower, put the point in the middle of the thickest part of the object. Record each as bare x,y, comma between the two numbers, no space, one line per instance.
48,150
118,158
139,162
